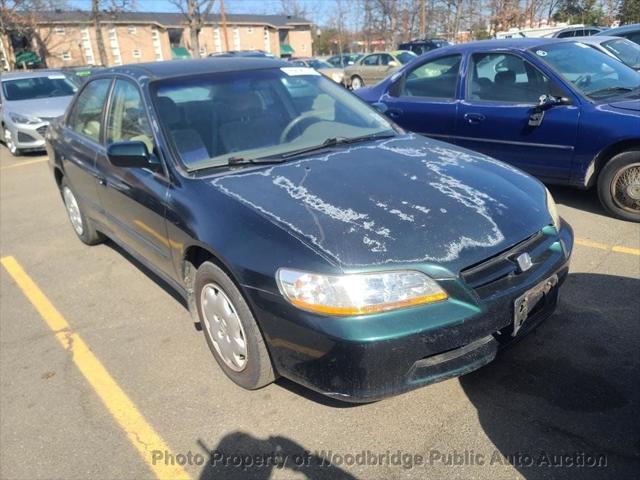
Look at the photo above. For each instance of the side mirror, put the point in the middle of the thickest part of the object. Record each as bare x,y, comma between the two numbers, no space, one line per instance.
380,107
393,64
129,155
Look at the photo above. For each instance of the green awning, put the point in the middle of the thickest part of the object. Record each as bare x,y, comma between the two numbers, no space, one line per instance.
180,52
285,49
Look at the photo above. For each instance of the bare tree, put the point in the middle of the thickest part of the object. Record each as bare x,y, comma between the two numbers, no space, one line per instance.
196,13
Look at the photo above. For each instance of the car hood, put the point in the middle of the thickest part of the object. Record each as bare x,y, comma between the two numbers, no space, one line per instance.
403,200
40,107
632,105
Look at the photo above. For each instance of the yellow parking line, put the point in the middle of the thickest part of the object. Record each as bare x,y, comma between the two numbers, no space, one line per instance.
140,433
22,164
603,246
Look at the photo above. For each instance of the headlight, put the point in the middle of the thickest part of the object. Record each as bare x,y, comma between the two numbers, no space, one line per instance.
357,294
337,77
553,210
24,119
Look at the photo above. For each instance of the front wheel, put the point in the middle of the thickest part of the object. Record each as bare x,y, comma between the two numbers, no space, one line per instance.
10,143
356,82
231,331
619,186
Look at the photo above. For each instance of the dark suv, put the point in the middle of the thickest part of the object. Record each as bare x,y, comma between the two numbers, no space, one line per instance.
423,46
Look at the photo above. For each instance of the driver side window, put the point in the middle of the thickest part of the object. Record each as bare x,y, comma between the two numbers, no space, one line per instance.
127,119
500,77
371,60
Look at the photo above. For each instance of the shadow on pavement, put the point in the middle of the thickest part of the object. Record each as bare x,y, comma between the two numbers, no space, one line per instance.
241,456
585,200
571,388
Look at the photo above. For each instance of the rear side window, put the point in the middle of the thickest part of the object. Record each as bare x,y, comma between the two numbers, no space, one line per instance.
86,116
371,60
434,79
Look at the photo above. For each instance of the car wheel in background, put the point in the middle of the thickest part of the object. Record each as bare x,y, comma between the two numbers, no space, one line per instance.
619,186
356,82
81,225
230,329
8,140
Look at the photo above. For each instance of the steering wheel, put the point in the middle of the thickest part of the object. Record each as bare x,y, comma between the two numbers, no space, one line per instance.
307,118
583,80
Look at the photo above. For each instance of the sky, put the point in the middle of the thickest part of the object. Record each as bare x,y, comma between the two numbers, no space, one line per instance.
320,11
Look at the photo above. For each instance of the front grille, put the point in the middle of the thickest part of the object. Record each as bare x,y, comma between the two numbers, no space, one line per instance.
481,276
23,137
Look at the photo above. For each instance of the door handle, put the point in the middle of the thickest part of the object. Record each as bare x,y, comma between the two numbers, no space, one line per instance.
474,118
394,112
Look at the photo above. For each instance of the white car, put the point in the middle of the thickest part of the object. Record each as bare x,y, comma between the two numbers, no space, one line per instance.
619,48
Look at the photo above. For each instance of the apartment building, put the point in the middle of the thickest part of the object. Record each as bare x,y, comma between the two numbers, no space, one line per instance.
69,38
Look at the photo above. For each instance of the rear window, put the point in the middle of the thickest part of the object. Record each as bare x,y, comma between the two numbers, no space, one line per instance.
38,87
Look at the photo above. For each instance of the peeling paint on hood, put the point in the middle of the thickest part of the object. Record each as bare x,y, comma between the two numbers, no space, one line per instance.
397,201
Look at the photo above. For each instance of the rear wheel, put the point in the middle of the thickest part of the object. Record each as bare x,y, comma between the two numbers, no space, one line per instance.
356,82
81,225
619,186
231,331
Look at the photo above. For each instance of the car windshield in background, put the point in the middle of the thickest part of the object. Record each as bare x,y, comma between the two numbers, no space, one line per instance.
627,51
38,87
406,57
248,116
594,73
318,64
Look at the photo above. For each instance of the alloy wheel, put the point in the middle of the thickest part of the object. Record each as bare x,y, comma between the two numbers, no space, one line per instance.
73,210
223,327
8,140
356,83
625,188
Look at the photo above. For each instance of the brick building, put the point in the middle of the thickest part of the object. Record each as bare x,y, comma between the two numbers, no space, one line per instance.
68,39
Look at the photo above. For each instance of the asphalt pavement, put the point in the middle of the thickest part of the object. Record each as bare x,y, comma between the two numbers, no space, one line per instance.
101,364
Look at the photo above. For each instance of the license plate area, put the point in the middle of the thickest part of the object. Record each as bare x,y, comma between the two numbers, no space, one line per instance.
524,304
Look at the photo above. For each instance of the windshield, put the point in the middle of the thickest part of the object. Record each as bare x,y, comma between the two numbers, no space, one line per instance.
38,87
258,114
593,73
405,57
627,51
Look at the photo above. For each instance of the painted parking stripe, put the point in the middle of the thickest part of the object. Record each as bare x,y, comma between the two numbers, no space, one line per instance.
141,435
603,246
22,164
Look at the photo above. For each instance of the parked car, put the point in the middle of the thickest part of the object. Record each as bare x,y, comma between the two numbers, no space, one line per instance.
630,32
243,53
325,68
344,60
372,68
325,246
423,46
577,31
619,48
28,102
555,108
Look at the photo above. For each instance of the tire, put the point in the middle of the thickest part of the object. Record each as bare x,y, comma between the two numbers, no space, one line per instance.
81,224
8,141
226,319
356,82
619,186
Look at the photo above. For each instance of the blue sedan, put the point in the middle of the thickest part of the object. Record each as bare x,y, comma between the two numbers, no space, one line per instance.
555,108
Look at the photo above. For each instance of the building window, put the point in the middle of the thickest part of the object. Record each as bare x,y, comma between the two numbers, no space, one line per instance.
66,55
249,29
131,29
303,47
203,51
236,38
59,30
267,40
136,53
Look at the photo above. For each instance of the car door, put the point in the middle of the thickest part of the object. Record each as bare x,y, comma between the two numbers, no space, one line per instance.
81,143
387,65
134,199
424,98
501,89
368,68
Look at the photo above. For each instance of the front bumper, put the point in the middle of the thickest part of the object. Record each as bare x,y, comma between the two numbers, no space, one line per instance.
28,137
367,358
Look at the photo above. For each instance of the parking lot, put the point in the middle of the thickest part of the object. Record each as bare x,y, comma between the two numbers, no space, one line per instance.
103,372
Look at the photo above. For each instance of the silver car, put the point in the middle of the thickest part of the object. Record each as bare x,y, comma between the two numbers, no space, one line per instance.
619,48
28,102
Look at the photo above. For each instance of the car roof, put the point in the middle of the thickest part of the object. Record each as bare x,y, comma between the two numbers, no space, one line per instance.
31,74
502,43
597,39
187,68
623,29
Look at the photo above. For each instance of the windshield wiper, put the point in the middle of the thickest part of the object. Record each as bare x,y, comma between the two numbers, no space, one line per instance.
333,141
612,90
233,161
